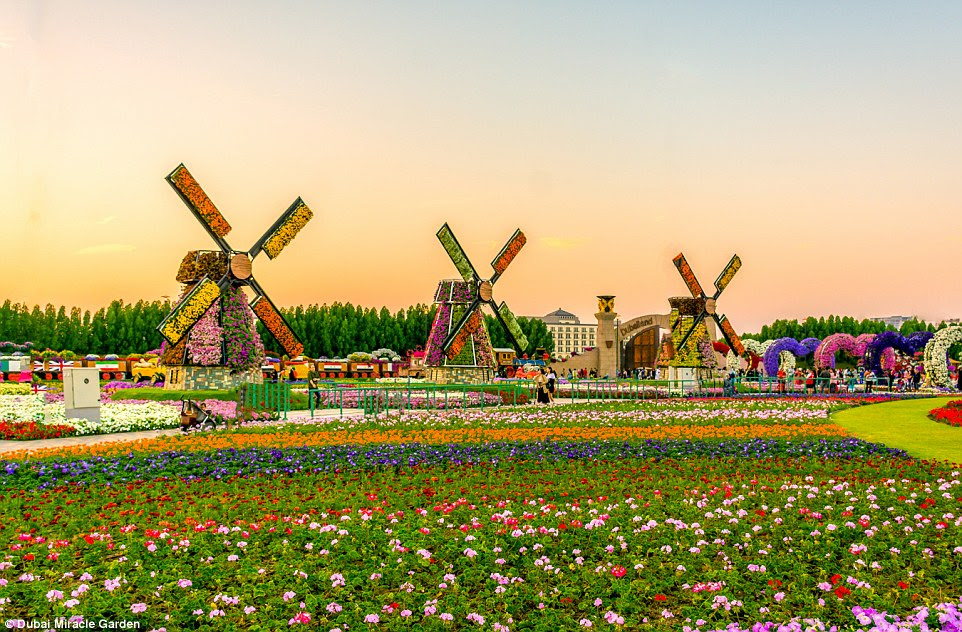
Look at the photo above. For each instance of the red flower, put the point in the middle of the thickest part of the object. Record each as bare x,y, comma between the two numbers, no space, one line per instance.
841,591
836,578
903,585
28,557
619,571
660,597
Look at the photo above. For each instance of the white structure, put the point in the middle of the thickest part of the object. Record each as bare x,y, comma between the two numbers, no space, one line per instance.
893,321
568,333
81,393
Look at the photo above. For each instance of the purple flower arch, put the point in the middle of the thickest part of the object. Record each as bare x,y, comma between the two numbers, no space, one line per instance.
880,353
796,348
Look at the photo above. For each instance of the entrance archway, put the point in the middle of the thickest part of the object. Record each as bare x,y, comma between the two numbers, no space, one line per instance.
641,350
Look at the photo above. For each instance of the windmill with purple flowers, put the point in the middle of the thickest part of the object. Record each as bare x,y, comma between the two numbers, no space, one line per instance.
459,347
213,324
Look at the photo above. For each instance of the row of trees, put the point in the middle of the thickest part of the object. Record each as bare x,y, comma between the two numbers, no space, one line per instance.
334,331
326,330
813,327
120,328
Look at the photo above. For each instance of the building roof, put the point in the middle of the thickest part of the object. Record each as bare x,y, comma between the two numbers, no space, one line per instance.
561,316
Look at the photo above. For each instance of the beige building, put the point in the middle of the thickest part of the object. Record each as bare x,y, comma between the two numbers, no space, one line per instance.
568,333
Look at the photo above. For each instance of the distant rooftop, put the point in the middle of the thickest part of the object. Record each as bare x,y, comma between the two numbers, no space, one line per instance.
560,316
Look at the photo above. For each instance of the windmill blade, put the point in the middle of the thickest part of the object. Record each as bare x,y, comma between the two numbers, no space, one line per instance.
200,205
283,231
267,313
730,336
726,276
507,254
455,342
189,310
511,325
685,270
691,330
456,253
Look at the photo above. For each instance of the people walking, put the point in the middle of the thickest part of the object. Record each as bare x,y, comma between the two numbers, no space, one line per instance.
541,385
552,379
312,390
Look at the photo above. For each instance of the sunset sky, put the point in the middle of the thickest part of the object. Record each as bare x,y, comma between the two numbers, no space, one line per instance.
821,141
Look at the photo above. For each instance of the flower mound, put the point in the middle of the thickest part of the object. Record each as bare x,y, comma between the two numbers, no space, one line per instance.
950,414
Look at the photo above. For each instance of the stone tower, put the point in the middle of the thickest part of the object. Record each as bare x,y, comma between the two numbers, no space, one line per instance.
607,337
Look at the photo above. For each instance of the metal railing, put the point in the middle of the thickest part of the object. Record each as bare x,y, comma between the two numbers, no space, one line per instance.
273,396
374,400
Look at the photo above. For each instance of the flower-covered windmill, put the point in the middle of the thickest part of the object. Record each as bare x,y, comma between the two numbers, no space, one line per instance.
688,315
213,277
459,337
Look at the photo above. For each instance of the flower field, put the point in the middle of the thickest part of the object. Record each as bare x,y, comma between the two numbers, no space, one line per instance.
42,416
665,515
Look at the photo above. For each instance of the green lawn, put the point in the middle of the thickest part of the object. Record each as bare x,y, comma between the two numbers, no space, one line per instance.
905,425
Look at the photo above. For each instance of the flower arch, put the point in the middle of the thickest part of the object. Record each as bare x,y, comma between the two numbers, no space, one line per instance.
773,354
755,350
880,353
855,347
937,352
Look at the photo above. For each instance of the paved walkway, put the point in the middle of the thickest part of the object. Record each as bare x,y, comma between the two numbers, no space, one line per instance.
6,447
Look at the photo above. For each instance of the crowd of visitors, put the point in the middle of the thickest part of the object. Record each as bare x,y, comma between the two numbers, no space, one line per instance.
841,380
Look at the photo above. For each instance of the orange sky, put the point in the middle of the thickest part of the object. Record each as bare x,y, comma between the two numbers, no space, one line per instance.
821,143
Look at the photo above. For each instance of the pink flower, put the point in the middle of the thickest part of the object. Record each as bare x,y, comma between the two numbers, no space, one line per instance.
372,618
138,607
301,617
614,618
289,595
185,583
334,607
779,596
619,571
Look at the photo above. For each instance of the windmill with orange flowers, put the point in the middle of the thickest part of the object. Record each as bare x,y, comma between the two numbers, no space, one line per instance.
212,276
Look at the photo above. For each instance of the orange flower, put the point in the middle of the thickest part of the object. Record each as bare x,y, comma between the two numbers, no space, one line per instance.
275,324
195,196
433,436
509,252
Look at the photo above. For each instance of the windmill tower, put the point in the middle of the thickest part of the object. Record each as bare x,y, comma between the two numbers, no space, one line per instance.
459,347
213,280
690,320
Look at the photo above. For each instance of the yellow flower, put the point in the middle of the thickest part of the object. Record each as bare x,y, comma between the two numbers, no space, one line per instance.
286,231
187,313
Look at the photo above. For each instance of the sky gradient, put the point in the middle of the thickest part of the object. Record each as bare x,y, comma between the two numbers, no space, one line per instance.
820,141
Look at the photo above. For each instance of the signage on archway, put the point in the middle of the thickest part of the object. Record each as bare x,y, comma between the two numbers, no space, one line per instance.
636,325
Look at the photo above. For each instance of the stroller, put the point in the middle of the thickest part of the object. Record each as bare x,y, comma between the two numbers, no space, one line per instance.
193,416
